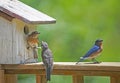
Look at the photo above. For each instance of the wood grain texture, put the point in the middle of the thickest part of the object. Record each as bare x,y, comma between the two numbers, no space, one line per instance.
111,69
2,79
10,78
67,68
24,12
78,79
105,66
6,50
115,79
40,79
13,42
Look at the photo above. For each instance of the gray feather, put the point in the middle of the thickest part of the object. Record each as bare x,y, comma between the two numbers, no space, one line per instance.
47,59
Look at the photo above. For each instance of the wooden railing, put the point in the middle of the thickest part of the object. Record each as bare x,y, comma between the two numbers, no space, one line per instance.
8,72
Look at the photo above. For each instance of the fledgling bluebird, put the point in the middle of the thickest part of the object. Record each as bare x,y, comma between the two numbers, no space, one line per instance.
47,59
93,52
33,41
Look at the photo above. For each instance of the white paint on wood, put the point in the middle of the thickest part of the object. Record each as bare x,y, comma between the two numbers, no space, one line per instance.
5,41
13,45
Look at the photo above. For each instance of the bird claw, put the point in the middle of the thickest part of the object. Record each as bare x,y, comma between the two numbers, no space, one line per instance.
97,62
77,63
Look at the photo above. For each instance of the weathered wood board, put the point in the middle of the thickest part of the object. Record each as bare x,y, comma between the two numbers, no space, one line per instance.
13,45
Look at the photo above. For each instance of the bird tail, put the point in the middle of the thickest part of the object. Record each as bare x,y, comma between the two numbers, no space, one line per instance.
48,72
80,60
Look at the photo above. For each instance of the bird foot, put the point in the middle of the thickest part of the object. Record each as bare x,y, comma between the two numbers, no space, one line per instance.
97,62
77,63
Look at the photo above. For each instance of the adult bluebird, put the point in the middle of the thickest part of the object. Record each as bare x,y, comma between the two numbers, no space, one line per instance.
47,59
93,52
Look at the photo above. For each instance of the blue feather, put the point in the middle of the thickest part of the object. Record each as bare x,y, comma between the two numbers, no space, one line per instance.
95,48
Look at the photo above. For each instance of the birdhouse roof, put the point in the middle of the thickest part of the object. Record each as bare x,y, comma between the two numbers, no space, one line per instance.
19,10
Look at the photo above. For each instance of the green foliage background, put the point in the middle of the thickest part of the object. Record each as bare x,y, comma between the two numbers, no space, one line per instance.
79,24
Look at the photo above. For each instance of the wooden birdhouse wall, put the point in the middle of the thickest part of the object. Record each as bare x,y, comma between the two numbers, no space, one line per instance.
14,17
13,45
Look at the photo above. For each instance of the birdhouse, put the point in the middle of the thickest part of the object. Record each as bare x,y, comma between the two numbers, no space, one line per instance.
17,21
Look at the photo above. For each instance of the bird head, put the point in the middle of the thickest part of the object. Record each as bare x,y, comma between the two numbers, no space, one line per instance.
98,42
44,45
35,34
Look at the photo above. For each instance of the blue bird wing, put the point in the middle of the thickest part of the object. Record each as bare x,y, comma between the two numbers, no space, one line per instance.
91,51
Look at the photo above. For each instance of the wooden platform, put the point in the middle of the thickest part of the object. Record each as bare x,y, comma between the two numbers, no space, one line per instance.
78,71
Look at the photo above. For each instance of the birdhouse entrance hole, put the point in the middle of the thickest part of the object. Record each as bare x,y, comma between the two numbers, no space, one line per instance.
26,30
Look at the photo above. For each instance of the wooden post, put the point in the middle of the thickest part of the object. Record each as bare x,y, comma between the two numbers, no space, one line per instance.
115,79
2,76
40,79
78,79
10,78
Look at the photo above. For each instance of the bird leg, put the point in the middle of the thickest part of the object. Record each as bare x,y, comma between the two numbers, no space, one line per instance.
77,62
35,53
95,61
80,60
